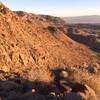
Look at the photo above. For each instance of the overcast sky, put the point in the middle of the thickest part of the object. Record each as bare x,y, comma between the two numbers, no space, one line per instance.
56,7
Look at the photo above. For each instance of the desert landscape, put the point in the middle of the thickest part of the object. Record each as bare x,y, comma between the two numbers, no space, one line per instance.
43,57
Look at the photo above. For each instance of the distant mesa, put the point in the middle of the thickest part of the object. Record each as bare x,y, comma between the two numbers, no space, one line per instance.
93,19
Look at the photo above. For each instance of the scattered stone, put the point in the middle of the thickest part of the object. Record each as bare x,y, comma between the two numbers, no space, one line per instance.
53,93
92,69
96,65
64,74
33,90
85,65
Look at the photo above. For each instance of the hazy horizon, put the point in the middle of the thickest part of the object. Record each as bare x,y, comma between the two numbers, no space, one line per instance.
59,8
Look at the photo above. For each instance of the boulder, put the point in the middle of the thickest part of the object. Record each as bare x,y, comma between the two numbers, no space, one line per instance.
92,69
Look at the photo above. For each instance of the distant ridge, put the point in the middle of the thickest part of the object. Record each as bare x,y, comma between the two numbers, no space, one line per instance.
93,19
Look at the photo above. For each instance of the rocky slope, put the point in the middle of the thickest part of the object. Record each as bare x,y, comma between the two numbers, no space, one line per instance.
87,34
36,44
31,45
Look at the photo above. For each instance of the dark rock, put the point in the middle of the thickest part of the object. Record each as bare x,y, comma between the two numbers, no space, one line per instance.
92,69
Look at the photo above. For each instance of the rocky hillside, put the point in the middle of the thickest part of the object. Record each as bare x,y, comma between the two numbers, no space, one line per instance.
87,34
31,46
36,44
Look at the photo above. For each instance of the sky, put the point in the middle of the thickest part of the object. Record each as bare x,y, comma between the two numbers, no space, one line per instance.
59,8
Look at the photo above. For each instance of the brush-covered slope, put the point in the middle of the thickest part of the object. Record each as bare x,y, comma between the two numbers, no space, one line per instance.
30,47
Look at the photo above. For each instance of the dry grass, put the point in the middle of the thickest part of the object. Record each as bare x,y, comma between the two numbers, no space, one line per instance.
92,80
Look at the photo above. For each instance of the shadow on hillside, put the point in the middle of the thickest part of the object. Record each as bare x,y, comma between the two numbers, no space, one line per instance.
23,89
18,88
88,41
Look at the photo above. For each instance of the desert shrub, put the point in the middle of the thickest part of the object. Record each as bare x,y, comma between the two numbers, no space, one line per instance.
6,68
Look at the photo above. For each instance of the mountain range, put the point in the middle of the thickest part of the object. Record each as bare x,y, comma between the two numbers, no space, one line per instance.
93,19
